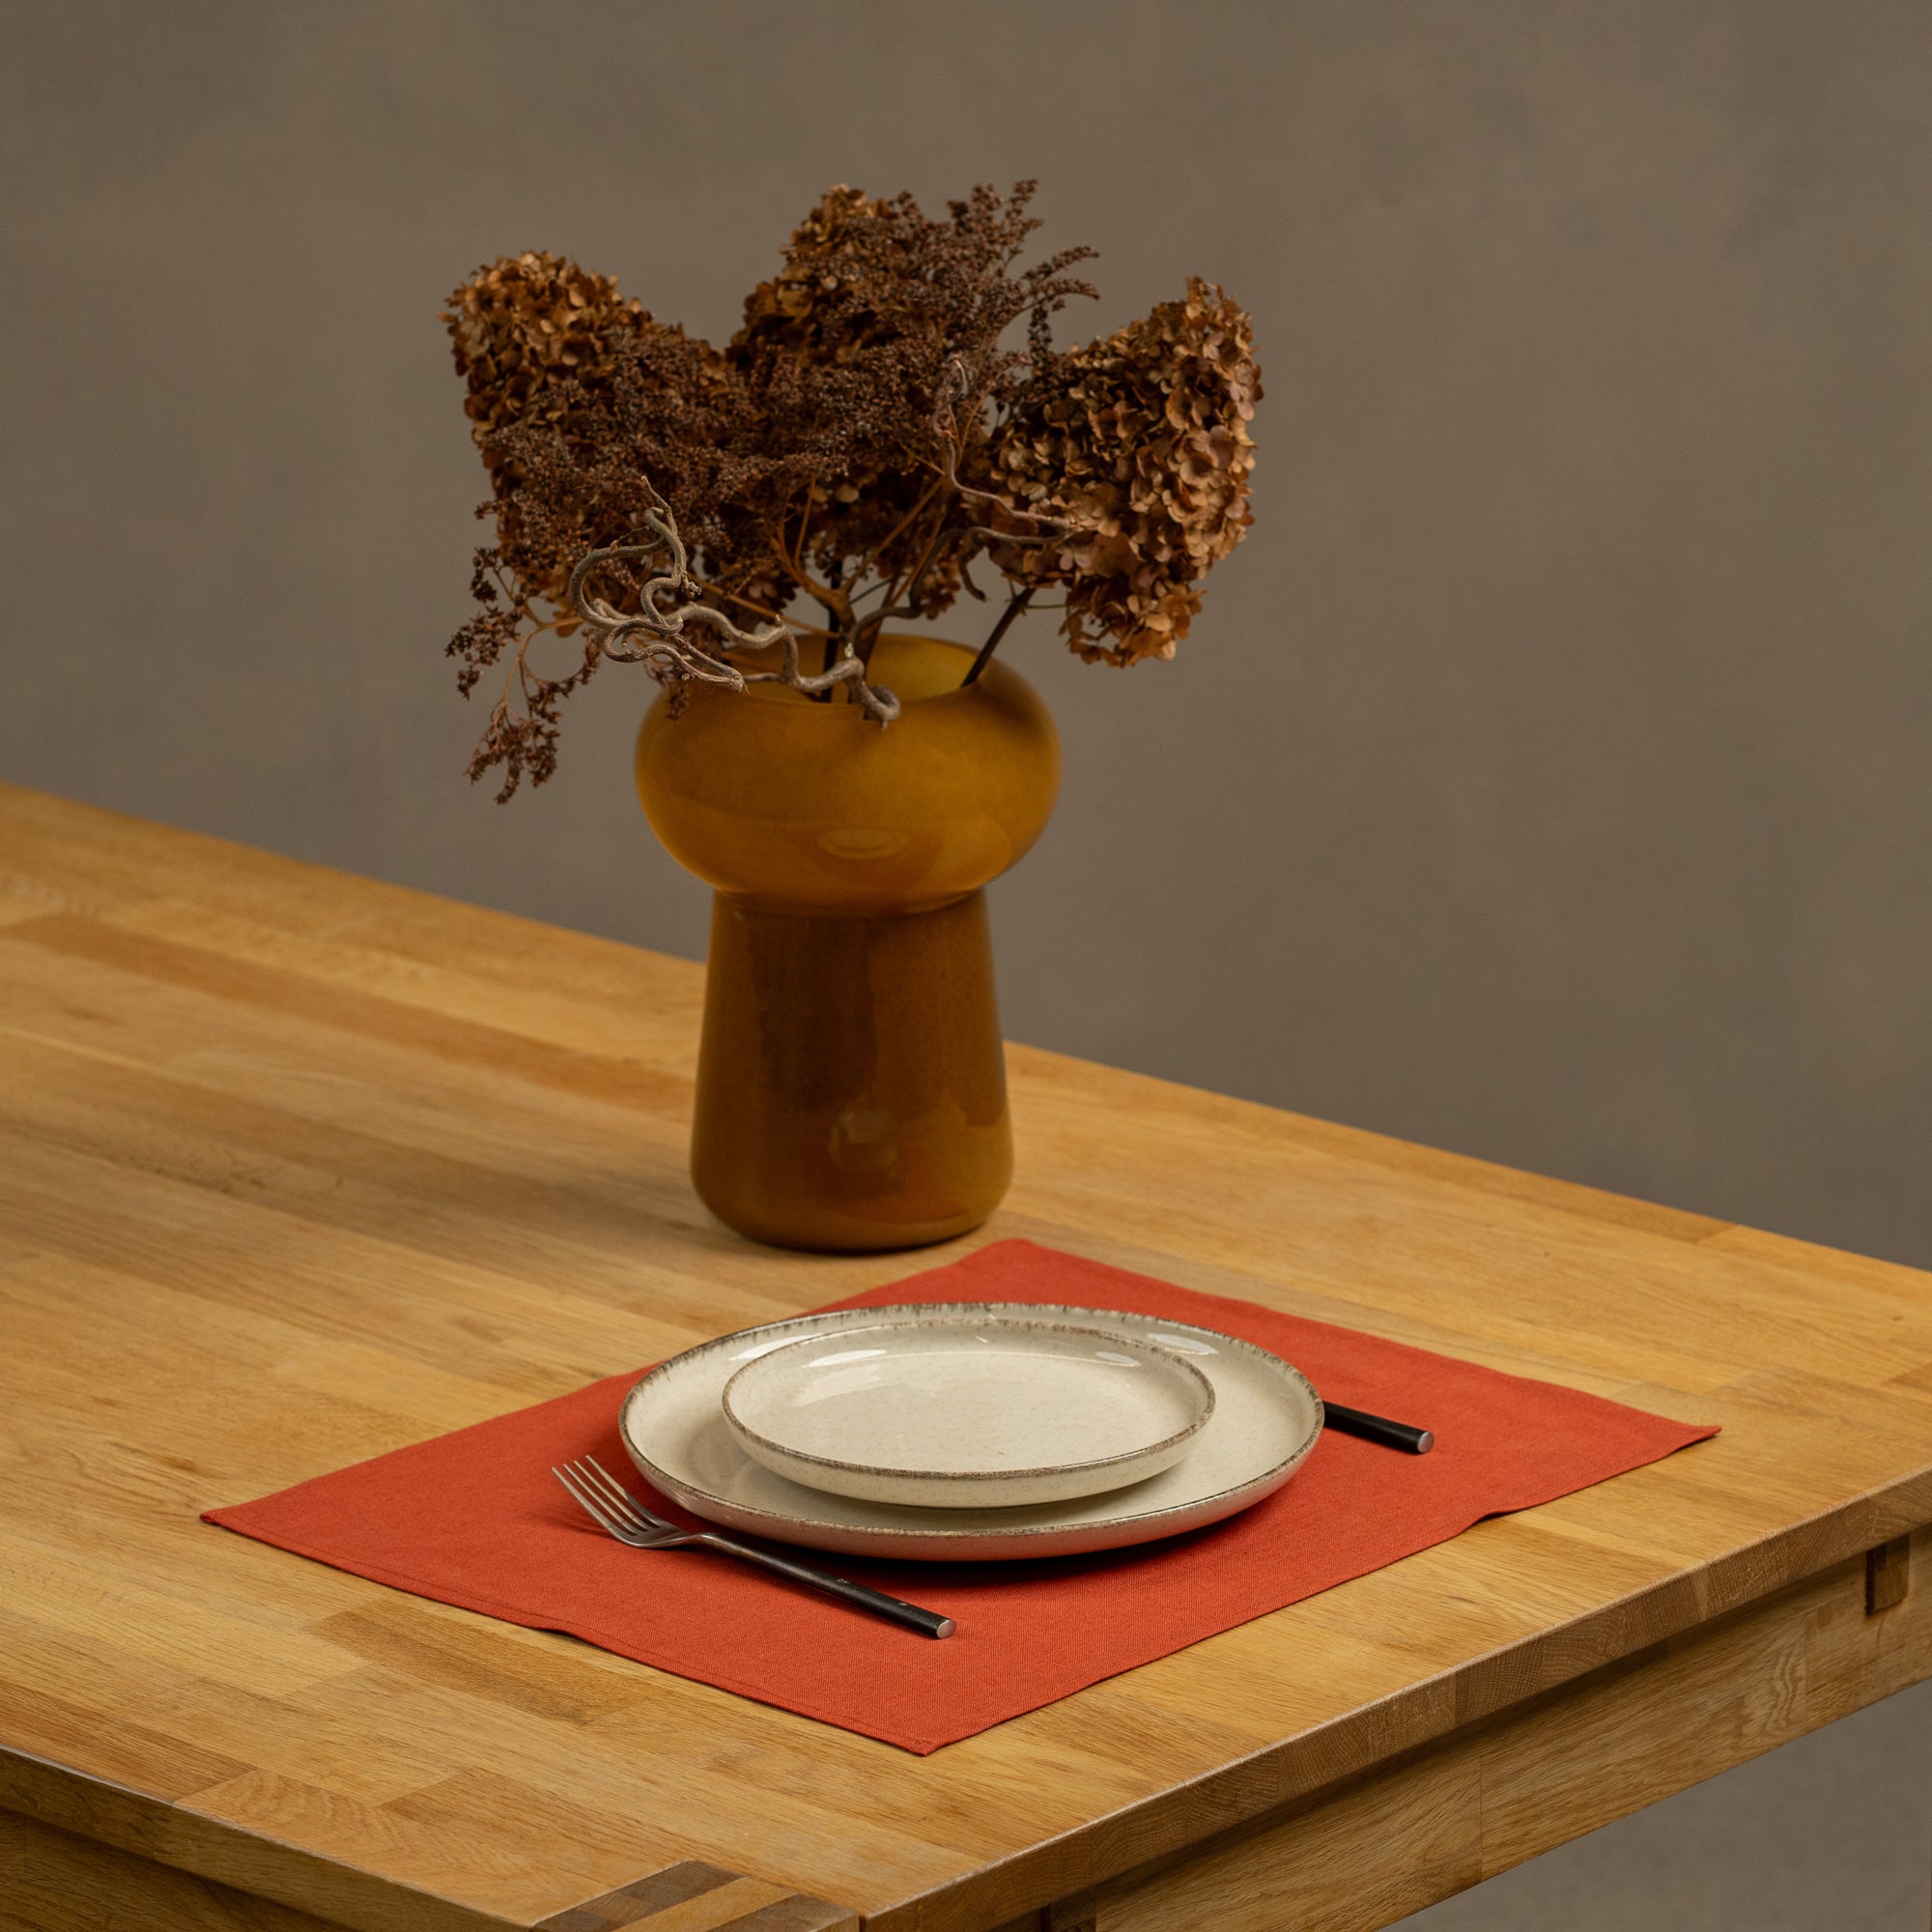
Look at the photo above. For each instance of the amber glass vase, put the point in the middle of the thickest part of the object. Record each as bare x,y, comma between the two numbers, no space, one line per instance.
851,1090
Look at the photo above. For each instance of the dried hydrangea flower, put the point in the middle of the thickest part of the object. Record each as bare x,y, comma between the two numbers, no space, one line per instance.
562,372
524,326
1140,444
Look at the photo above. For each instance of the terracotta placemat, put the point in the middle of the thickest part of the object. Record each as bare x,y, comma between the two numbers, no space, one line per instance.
475,1519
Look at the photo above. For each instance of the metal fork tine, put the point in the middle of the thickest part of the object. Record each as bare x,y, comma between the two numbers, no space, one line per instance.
622,1497
587,1481
588,1502
581,1496
596,1478
637,1521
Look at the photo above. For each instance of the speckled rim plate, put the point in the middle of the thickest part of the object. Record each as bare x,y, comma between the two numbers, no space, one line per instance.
1266,1419
980,1412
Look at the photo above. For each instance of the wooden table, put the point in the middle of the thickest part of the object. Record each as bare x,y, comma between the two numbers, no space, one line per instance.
276,1136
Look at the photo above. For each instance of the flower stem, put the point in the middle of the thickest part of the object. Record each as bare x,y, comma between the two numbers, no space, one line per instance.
1018,602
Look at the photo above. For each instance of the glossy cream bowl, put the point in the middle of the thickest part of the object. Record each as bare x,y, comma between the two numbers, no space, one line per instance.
968,1412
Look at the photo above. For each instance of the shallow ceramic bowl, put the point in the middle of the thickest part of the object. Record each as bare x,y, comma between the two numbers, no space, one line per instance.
985,1412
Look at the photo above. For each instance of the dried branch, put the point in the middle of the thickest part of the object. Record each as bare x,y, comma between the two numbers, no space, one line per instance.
656,633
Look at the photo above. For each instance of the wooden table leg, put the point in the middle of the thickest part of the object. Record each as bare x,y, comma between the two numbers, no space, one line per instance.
1887,1574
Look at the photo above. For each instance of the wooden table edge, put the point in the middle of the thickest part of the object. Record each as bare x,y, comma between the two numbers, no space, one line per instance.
1109,1856
1872,1583
333,1891
1262,1786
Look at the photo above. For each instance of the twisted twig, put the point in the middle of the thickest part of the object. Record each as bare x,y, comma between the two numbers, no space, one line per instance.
656,635
956,386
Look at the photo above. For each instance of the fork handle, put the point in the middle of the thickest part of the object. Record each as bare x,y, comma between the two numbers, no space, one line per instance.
928,1623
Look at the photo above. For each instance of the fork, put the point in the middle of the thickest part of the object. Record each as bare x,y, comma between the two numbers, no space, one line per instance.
607,1501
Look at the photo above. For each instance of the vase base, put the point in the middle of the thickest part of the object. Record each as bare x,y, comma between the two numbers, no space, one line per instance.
851,1084
839,1237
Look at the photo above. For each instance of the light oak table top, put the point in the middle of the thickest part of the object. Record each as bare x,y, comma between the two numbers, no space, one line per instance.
274,1140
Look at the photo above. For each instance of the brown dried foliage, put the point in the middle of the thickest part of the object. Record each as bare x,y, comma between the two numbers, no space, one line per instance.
574,394
864,435
847,354
1139,445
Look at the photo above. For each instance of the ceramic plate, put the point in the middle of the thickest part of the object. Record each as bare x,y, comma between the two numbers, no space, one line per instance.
958,1411
1266,1421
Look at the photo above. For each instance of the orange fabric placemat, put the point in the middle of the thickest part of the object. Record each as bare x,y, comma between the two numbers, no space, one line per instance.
475,1519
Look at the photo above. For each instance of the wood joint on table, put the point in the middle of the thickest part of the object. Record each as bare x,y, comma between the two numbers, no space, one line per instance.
1078,1913
1887,1574
718,1901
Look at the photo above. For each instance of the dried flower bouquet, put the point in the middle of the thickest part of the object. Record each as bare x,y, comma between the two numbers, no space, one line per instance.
863,440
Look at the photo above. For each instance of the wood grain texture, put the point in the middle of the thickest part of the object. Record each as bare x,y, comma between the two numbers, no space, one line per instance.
57,1883
1564,1764
53,1880
275,1141
695,1897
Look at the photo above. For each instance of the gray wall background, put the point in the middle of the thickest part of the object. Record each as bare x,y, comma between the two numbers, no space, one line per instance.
1548,775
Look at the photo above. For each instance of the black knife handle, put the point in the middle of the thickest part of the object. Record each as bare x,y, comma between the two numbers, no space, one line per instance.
1401,1436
